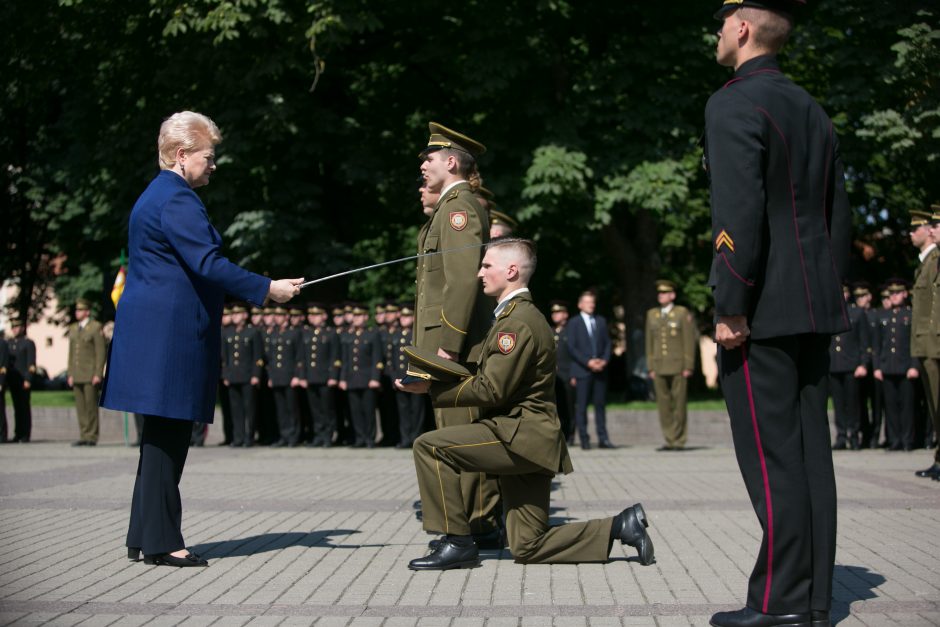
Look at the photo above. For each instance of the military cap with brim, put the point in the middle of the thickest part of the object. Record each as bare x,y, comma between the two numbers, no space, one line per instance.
935,213
256,310
391,308
338,311
498,217
558,305
406,310
359,310
81,303
484,193
226,311
861,289
896,285
919,217
238,309
443,137
380,309
280,311
663,286
425,364
296,311
316,308
790,7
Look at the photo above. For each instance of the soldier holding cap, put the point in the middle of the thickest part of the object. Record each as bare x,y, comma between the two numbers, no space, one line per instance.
242,365
87,354
671,339
452,313
20,370
927,325
778,300
321,373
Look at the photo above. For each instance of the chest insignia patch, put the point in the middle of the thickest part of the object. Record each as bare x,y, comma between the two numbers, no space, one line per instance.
724,239
458,220
505,342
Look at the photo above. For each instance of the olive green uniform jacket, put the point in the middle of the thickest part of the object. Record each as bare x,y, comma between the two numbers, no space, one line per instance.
670,340
87,351
925,316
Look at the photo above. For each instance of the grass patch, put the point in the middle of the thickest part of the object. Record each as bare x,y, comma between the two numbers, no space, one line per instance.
694,405
56,398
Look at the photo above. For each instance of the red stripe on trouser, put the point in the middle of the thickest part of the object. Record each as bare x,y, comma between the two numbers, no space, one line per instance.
766,478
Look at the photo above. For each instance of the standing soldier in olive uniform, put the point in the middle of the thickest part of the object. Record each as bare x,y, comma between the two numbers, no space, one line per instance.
930,361
849,362
321,374
242,365
20,371
516,437
671,340
896,369
501,224
359,376
411,407
285,367
451,313
564,381
87,354
4,361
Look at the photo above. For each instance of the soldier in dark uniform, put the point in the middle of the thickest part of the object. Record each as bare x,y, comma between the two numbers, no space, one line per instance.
266,415
359,375
385,396
452,315
257,319
867,398
4,361
285,367
849,363
242,365
302,418
776,278
411,407
321,373
344,430
200,431
20,370
564,381
896,369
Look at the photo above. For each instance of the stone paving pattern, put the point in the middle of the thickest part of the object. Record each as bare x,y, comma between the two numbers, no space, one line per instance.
312,536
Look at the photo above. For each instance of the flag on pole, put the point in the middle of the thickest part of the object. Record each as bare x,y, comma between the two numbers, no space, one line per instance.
119,280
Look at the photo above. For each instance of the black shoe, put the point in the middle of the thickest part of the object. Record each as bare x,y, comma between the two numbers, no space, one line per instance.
819,618
165,559
402,445
447,556
633,524
605,443
752,618
853,444
279,444
586,445
133,554
234,445
838,446
929,473
492,541
248,444
79,443
664,447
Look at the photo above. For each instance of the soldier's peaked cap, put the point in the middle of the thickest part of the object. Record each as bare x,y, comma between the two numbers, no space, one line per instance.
443,137
935,212
919,217
499,217
665,286
82,303
789,7
439,368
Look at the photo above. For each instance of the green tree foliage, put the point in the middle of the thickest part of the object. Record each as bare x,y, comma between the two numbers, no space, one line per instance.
592,114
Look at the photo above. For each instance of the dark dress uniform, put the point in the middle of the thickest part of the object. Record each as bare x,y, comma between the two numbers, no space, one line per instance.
564,391
871,392
242,361
4,361
893,358
285,362
20,369
411,407
387,395
781,226
321,351
847,352
362,363
265,414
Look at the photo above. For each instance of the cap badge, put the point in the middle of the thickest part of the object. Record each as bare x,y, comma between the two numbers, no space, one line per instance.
458,220
505,342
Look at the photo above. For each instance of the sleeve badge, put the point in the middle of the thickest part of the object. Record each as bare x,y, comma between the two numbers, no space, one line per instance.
458,220
724,239
505,342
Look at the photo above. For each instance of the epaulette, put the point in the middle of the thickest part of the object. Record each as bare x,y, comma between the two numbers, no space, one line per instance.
507,310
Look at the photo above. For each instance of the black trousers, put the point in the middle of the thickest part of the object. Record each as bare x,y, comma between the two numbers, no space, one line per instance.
591,389
3,412
776,392
226,406
899,410
843,386
565,400
388,412
22,408
285,407
411,412
320,400
156,508
242,398
362,413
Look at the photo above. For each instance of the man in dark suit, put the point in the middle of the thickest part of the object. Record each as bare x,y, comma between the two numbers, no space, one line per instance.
589,349
781,226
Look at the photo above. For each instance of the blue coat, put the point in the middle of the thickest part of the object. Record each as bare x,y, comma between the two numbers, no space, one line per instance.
164,357
581,348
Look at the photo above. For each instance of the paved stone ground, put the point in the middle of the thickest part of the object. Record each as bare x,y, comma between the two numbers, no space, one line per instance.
301,537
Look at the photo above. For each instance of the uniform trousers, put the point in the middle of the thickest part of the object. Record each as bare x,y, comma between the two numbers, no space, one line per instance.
156,509
362,415
388,412
930,375
591,389
322,411
870,410
86,406
671,394
411,409
242,398
226,407
899,410
444,455
22,408
843,386
480,494
776,393
565,397
3,412
286,410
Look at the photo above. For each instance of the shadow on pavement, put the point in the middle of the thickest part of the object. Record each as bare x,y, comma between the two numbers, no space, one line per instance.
860,583
252,545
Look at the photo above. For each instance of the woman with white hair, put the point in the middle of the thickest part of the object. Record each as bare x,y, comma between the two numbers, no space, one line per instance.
164,358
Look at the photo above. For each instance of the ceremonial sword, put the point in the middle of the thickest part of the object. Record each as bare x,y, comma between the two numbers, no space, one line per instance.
388,263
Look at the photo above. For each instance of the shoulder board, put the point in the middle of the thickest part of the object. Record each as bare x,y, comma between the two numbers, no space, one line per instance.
507,310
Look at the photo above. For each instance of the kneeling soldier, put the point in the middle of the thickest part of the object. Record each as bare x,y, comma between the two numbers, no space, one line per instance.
517,437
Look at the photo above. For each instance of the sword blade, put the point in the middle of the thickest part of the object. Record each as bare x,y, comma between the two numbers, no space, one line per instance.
389,263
